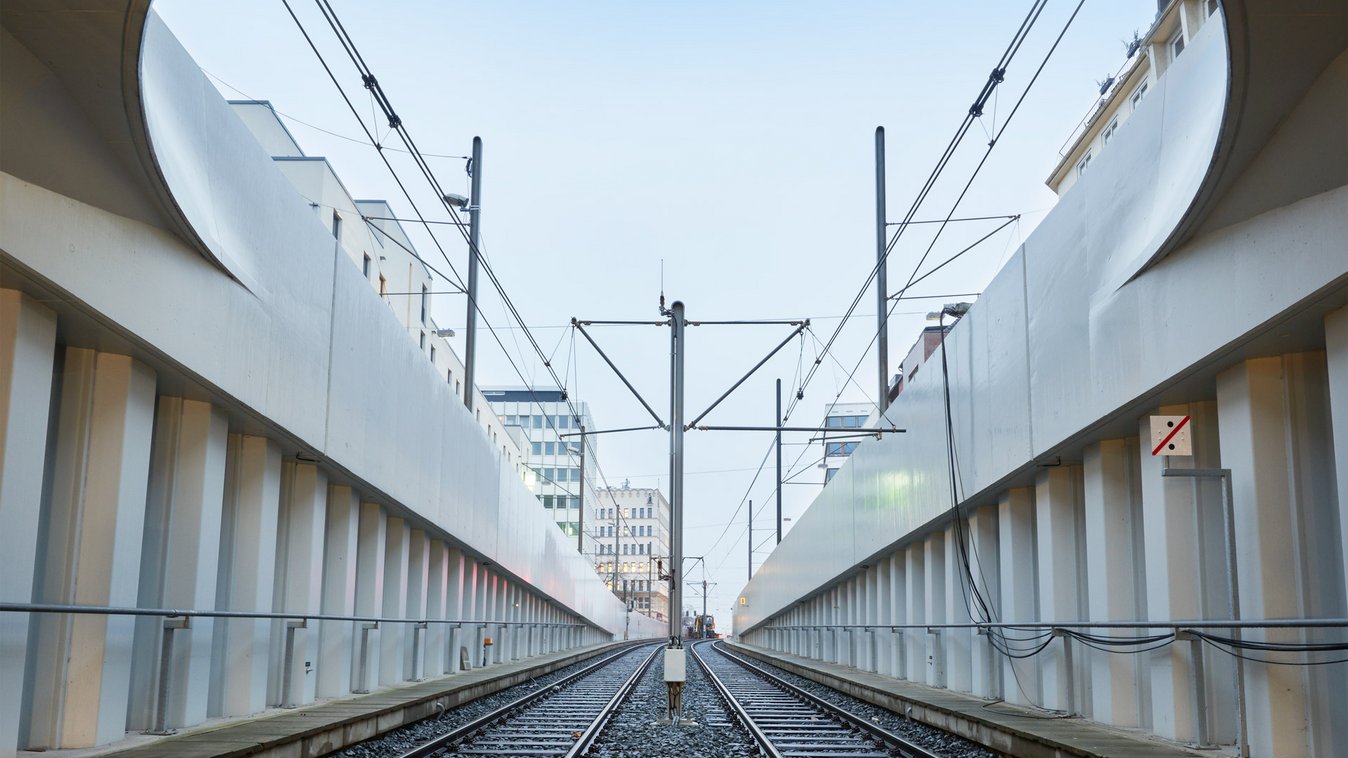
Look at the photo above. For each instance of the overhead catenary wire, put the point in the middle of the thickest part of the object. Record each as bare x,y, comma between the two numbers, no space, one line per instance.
396,124
994,79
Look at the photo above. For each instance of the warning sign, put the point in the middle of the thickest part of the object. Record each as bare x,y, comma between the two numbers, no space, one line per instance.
1170,436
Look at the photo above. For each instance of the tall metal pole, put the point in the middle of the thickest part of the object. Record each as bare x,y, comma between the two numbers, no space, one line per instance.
676,469
474,236
779,461
881,283
751,539
580,531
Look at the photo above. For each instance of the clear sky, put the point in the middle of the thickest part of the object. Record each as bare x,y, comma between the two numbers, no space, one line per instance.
731,140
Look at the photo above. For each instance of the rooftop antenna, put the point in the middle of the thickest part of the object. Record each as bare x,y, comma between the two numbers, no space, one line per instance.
662,286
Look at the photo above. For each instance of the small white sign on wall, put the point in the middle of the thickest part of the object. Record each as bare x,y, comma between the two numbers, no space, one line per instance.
1170,436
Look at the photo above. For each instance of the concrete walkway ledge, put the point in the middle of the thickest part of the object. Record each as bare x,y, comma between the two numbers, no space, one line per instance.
332,725
1005,728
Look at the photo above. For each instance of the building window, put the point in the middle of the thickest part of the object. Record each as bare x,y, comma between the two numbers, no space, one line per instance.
1108,132
1136,98
1212,7
336,226
1176,45
425,302
1081,169
383,287
432,355
828,474
365,267
423,340
547,501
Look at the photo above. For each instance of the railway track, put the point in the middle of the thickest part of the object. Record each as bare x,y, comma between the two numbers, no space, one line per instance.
788,721
563,719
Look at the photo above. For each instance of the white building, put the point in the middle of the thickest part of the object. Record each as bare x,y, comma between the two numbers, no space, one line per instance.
847,419
633,543
375,242
1152,54
541,418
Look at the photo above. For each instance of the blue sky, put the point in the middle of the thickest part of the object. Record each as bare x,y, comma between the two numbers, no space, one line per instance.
732,140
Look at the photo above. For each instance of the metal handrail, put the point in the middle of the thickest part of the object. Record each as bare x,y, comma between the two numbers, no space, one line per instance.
105,610
1190,624
178,619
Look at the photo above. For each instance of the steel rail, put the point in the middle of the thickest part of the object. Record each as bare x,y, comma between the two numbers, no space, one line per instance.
902,745
451,741
741,715
587,738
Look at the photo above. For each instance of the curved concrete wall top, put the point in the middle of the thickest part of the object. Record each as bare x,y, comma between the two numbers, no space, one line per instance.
291,338
1085,327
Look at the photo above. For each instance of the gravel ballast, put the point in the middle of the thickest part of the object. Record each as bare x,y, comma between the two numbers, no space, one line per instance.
634,731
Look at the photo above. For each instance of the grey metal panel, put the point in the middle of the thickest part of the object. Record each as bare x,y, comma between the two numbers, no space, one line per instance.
1074,328
376,409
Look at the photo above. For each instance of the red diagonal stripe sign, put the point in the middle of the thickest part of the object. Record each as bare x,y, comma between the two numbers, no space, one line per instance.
1171,436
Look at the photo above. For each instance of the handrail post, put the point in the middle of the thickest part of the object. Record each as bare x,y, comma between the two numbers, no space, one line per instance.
288,663
418,655
171,625
364,658
1202,731
1068,668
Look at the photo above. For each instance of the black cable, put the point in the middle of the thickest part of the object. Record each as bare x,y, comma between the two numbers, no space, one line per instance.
994,79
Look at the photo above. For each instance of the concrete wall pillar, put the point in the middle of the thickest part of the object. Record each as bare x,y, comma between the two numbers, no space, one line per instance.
934,596
485,594
252,504
884,614
837,643
530,620
298,585
27,358
898,604
1276,438
437,592
1336,359
1185,558
510,632
478,596
1019,592
372,541
341,556
180,550
851,603
418,577
985,559
458,602
1115,572
393,636
503,610
1059,544
870,639
958,602
90,553
916,591
495,611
